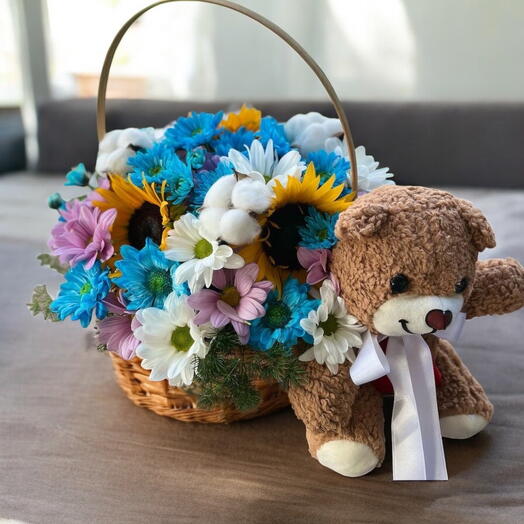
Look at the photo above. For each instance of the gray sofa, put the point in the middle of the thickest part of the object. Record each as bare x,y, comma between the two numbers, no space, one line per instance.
476,145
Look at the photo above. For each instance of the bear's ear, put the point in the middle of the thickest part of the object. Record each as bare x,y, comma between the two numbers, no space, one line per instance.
365,220
481,233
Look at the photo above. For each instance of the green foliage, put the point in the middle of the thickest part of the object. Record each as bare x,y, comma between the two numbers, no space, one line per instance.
40,303
226,374
52,262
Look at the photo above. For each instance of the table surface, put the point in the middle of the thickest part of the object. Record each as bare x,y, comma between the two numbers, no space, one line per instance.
73,448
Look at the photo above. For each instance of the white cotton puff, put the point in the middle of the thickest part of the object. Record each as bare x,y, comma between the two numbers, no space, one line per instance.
144,138
251,195
313,137
114,149
219,194
237,227
296,124
210,220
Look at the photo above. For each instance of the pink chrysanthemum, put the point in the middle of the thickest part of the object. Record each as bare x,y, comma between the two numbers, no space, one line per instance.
84,235
238,300
116,330
315,262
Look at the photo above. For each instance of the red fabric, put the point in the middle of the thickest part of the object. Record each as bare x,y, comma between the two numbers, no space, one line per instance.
383,384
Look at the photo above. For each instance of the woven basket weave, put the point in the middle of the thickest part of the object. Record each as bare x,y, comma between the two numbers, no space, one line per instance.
160,397
180,404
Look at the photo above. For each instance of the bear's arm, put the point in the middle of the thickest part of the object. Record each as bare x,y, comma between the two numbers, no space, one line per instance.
498,288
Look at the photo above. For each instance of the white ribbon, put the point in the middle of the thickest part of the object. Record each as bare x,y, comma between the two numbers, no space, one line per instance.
418,453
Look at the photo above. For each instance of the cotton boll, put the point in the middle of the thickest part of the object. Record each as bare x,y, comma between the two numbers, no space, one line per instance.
219,194
210,220
297,123
114,162
119,145
109,142
314,136
143,138
237,227
251,195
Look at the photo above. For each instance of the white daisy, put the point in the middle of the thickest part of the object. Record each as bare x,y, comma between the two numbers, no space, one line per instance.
369,177
170,341
308,132
263,165
335,333
199,251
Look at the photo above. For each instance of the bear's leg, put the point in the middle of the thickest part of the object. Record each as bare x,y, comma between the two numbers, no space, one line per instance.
464,408
344,422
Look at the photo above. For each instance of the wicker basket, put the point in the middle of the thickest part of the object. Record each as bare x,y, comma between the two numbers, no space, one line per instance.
160,397
181,404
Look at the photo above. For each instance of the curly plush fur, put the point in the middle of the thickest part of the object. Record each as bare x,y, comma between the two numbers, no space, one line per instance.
434,238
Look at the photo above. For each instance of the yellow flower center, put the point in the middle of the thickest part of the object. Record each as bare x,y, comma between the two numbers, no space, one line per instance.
203,248
86,288
330,325
159,281
231,296
181,339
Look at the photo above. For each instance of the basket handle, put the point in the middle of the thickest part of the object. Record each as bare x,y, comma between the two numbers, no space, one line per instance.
104,75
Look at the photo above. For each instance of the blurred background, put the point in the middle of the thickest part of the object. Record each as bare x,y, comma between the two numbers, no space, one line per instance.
381,55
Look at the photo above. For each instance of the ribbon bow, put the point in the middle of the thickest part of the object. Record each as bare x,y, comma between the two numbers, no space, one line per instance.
418,453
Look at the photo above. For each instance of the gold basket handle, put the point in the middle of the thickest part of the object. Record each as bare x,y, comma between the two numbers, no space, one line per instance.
104,75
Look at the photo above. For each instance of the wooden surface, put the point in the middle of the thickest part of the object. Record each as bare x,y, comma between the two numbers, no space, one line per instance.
73,448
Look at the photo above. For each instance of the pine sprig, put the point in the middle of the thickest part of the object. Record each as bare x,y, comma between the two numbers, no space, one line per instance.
226,374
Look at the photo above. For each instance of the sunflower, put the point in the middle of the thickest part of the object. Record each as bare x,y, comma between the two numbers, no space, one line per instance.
275,250
141,213
248,118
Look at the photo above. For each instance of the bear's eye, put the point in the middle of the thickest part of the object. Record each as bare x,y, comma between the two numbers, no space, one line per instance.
461,285
399,283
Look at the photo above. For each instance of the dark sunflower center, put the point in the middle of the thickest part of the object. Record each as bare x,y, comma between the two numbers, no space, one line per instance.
231,296
159,282
282,235
330,325
181,338
278,315
145,222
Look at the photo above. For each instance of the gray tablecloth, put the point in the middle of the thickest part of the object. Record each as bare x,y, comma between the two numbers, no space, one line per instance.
74,449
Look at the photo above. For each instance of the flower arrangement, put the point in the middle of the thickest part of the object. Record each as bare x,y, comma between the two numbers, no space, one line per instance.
203,249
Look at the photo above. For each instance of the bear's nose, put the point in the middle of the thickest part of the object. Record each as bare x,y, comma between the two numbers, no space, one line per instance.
438,319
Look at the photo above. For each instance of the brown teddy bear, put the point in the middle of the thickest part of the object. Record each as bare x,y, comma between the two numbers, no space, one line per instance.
406,262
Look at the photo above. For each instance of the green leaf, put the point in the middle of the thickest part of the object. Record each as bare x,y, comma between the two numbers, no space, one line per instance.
52,262
40,304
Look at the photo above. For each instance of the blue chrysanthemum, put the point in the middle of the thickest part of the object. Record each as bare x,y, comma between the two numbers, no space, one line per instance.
147,276
281,323
194,130
318,231
81,293
328,165
237,140
272,129
204,180
158,164
77,176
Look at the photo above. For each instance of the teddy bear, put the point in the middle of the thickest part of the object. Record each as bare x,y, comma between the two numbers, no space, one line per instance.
406,263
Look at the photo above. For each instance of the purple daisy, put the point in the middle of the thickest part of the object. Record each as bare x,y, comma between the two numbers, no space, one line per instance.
116,330
236,299
83,234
